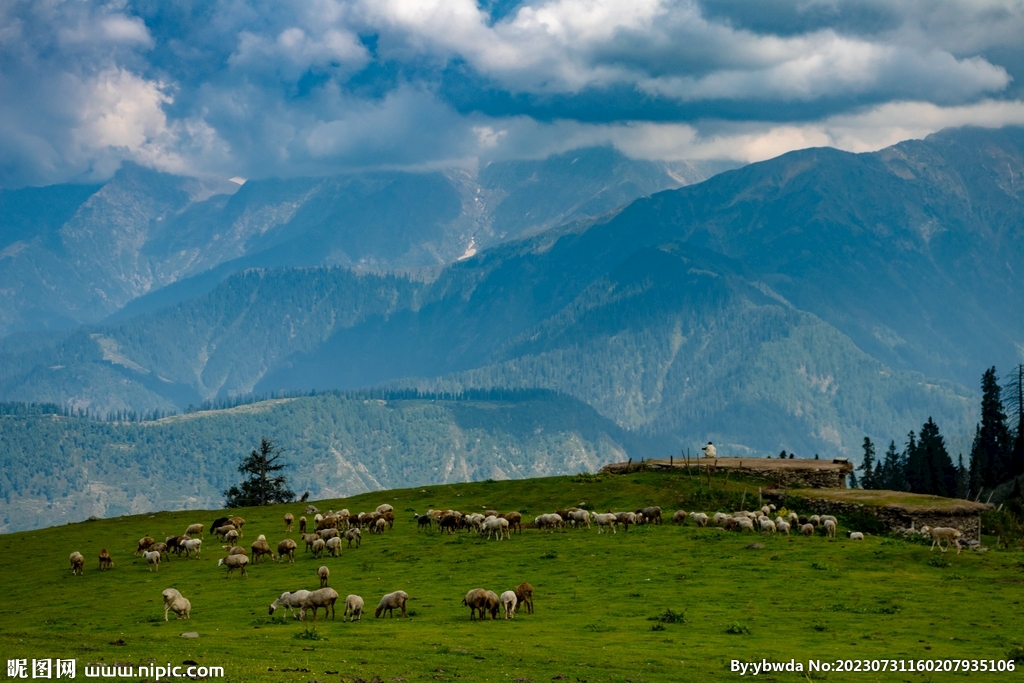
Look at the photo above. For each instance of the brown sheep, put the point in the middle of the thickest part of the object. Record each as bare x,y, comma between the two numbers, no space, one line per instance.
259,549
476,601
286,547
239,523
310,539
515,521
106,561
144,544
302,525
524,596
289,519
392,600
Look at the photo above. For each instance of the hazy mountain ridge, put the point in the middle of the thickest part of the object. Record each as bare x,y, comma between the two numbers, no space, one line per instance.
73,254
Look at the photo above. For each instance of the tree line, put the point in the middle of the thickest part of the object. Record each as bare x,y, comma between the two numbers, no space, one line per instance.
925,466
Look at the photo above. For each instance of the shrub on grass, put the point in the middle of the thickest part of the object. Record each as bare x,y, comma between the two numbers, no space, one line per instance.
737,629
670,617
938,561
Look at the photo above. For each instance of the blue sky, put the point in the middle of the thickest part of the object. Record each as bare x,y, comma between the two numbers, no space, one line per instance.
257,89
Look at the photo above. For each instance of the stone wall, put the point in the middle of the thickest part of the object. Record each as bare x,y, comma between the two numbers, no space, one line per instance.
797,477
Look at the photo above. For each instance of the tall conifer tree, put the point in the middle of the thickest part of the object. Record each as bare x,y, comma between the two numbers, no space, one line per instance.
1013,395
990,453
868,467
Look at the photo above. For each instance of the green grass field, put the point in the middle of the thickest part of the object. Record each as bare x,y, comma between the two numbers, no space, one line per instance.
600,599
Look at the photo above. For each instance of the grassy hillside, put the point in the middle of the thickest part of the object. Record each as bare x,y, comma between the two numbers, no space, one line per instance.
601,600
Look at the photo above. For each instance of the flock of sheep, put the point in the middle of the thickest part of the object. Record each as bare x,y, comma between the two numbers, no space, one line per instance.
331,530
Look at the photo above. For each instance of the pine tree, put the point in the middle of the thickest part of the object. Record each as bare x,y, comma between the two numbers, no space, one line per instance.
262,487
893,476
854,483
869,480
913,468
937,467
963,480
990,454
1013,393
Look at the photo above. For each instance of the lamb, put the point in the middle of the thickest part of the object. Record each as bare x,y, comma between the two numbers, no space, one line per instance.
508,603
524,596
353,534
233,562
192,545
144,544
807,529
679,517
292,601
318,548
194,530
334,546
152,559
353,608
324,573
289,519
830,528
261,548
77,563
392,600
325,597
855,535
177,603
106,561
604,520
943,533
286,547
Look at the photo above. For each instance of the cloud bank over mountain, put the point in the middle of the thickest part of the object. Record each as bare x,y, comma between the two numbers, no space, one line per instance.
257,89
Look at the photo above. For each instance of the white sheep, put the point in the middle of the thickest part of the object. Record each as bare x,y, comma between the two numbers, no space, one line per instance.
745,524
233,562
381,509
807,529
286,547
782,527
353,608
177,603
700,519
579,518
943,533
194,530
679,517
390,601
606,519
152,559
192,545
830,528
324,573
495,525
793,518
353,534
292,601
318,547
334,546
855,535
548,521
767,526
325,597
77,563
508,603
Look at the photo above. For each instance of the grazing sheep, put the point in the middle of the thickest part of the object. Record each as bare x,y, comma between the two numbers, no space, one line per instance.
830,528
144,544
549,521
943,533
192,545
782,527
494,525
302,525
826,518
152,559
515,521
318,548
77,563
106,561
177,603
606,519
379,526
793,518
744,524
807,529
239,523
508,603
700,519
423,522
524,596
292,601
325,597
814,519
679,517
289,519
625,519
328,533
231,537
161,548
476,601
579,518
194,530
392,600
219,522
767,526
286,547
223,530
233,562
651,514
334,546
259,549
234,549
353,534
310,539
855,535
324,573
353,608
381,509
